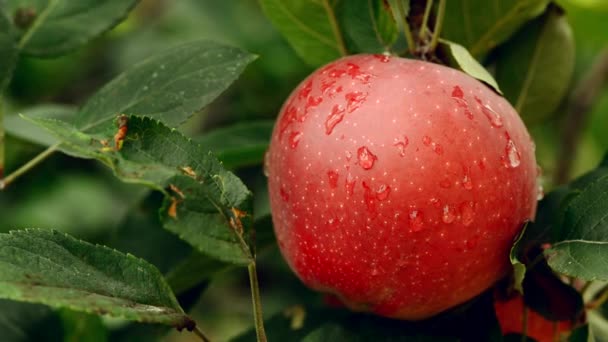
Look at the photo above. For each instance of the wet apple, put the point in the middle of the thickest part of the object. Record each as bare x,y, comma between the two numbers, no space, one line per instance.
398,185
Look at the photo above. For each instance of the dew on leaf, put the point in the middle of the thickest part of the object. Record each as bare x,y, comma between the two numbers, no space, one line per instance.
366,158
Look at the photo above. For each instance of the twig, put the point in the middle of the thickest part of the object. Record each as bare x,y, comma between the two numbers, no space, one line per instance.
425,20
582,98
257,303
406,28
198,332
438,25
27,166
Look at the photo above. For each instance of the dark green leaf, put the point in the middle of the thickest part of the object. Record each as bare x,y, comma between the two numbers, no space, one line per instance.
80,326
23,322
23,129
8,50
480,26
462,59
169,86
583,241
242,144
52,268
581,334
310,27
52,27
206,205
369,25
534,68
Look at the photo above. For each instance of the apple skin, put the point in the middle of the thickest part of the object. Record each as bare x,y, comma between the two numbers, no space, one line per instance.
510,317
398,185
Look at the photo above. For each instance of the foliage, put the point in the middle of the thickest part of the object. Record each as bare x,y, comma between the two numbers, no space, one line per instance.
163,119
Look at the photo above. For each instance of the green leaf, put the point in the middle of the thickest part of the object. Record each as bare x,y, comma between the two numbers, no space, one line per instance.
25,130
480,26
462,59
22,322
582,334
239,145
534,68
310,27
51,268
8,50
583,243
80,326
369,25
519,268
206,205
169,86
53,27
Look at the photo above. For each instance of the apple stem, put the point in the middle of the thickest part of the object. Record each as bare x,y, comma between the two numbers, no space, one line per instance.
28,166
257,303
406,28
425,20
438,25
198,332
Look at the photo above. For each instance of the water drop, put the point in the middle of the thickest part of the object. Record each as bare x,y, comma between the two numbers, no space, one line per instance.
491,114
284,194
294,139
457,92
512,158
426,140
467,214
334,118
374,271
333,178
383,192
369,198
348,155
437,148
467,183
401,145
540,192
416,221
366,158
445,183
349,184
354,100
449,214
435,202
382,58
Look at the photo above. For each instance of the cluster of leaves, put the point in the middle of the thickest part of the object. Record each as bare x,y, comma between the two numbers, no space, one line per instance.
131,126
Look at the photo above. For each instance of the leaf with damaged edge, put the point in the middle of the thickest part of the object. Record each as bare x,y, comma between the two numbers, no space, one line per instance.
169,86
206,205
52,268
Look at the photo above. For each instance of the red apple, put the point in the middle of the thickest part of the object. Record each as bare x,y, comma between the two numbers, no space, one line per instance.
398,185
510,315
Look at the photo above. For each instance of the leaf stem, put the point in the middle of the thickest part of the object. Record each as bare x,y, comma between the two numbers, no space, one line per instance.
438,25
198,332
257,303
594,304
406,28
2,148
27,166
335,28
582,98
425,19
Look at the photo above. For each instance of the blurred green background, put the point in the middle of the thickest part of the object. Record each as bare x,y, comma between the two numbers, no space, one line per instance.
83,198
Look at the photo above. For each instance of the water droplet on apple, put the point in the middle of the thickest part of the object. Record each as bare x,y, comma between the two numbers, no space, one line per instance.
294,139
467,183
284,194
426,140
354,100
349,184
445,183
540,192
416,220
401,145
467,213
335,117
435,202
457,92
348,155
366,158
383,192
333,178
512,158
449,214
382,58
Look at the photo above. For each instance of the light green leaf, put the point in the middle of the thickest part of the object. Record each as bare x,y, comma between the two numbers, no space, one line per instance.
23,129
461,58
579,252
310,26
206,205
51,268
369,25
534,68
53,27
480,25
242,144
8,50
519,268
169,86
